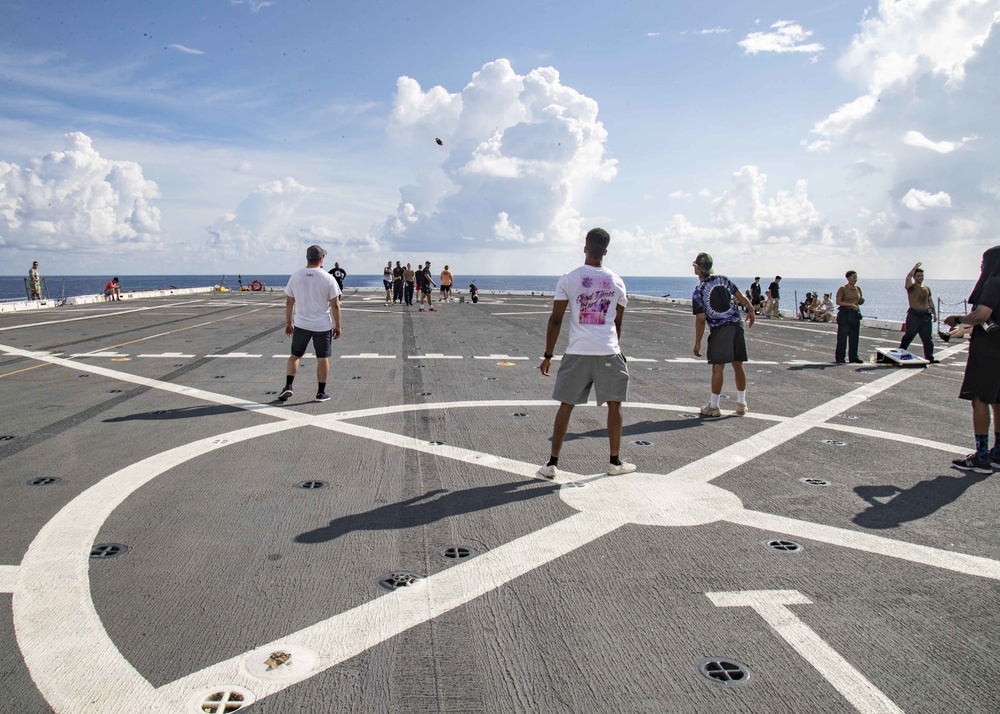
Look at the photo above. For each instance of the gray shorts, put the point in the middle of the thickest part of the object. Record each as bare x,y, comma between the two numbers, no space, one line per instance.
726,344
607,373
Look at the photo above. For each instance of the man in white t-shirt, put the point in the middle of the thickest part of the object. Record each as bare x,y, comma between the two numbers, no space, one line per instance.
596,298
312,314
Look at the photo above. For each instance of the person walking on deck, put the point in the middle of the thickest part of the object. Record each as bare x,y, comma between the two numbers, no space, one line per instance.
981,384
596,299
312,314
339,274
409,277
714,303
920,315
397,284
774,306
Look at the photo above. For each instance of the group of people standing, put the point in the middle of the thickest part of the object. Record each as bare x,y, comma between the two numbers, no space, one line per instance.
593,358
400,284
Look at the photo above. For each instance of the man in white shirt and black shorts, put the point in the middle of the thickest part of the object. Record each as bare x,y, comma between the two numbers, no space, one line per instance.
312,314
597,300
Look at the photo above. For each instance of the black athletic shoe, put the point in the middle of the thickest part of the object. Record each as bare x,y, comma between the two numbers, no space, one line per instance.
934,361
974,464
285,394
857,361
944,335
322,397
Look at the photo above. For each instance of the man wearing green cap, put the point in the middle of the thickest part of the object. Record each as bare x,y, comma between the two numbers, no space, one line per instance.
715,303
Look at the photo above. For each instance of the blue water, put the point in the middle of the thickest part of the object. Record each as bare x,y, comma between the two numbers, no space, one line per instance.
884,298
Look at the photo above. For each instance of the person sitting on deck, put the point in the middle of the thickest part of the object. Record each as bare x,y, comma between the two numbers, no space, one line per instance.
112,290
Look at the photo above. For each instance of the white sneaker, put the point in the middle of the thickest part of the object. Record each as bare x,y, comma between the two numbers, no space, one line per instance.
618,469
710,411
548,472
741,409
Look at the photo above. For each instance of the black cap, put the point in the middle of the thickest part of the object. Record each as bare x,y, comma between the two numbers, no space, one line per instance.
314,253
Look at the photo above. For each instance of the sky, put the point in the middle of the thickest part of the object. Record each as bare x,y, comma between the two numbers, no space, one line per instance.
223,136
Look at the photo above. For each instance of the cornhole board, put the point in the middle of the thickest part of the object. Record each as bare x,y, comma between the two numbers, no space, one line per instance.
898,357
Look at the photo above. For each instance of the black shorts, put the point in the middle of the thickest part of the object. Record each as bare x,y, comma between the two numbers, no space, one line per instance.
388,284
322,342
726,344
425,289
982,370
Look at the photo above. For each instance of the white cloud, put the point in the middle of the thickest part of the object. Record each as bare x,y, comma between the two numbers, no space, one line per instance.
277,219
254,5
905,41
652,34
714,31
787,36
917,200
915,138
77,200
748,222
679,194
517,151
185,50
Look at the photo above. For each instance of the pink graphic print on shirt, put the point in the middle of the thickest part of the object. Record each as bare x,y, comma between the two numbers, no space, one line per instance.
596,299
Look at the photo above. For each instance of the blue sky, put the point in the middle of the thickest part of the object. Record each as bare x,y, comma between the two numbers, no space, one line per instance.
221,136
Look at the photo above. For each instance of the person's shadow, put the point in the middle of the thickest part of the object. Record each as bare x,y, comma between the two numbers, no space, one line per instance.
911,504
642,428
428,508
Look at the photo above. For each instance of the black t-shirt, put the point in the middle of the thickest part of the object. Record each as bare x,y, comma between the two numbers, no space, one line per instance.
339,274
773,287
990,297
397,273
418,276
426,273
755,290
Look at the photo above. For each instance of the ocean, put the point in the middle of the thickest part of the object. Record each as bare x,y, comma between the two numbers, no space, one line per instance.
884,298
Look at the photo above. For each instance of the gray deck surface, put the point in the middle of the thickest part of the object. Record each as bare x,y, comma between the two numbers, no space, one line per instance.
591,594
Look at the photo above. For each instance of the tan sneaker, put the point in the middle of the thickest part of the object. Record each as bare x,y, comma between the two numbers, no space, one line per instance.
709,411
741,409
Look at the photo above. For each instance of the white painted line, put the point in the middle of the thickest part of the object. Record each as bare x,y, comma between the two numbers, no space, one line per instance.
286,356
435,355
211,397
828,333
640,359
368,355
243,355
55,588
95,317
772,605
9,577
868,543
518,314
353,632
497,357
99,354
902,438
168,354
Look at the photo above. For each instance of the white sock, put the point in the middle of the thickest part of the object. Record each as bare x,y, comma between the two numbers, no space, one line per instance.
715,400
741,397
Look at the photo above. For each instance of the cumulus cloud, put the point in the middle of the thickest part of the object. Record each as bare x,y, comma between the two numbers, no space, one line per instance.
274,219
185,50
915,138
748,219
917,200
786,36
905,41
517,151
77,200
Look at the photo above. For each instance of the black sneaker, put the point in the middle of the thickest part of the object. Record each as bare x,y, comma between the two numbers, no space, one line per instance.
994,458
285,394
974,464
944,335
322,397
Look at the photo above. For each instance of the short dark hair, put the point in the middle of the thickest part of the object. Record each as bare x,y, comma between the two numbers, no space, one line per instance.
597,242
918,270
757,278
849,273
777,277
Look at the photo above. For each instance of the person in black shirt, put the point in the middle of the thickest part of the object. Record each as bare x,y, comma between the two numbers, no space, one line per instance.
755,298
424,283
775,291
397,284
981,384
339,274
